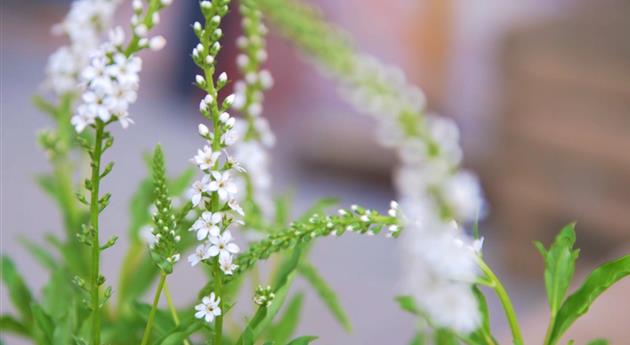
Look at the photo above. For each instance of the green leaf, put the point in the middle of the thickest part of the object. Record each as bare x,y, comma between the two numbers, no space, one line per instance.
43,325
45,106
445,337
483,335
48,184
19,293
286,326
40,254
69,323
285,277
580,301
8,324
598,342
247,338
163,321
559,266
181,333
418,339
303,340
58,293
408,304
325,293
283,210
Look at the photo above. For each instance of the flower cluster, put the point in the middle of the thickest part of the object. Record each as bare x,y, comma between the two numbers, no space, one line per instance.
264,296
84,25
435,193
110,78
216,193
254,129
111,85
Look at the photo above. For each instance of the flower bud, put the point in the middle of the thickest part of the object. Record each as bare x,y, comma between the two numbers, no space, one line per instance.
203,130
157,43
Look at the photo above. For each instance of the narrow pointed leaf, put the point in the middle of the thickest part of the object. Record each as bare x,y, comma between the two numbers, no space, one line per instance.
581,300
326,294
19,293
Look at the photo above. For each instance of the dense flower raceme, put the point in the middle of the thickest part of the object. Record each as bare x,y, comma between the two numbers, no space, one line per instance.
84,26
435,193
216,194
252,151
109,80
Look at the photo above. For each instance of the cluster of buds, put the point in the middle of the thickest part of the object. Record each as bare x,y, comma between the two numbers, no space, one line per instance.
264,296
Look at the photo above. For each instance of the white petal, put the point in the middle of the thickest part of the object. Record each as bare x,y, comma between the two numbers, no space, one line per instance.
232,248
213,251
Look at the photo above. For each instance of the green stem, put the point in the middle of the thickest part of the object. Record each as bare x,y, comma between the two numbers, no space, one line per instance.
96,250
218,326
171,307
510,313
156,299
552,320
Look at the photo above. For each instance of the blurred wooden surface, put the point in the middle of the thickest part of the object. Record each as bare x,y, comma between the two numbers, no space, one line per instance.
564,147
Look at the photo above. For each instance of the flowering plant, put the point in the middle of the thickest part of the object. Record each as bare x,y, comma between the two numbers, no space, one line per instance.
95,81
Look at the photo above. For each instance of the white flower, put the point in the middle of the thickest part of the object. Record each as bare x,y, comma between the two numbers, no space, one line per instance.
197,190
265,78
82,118
141,30
95,99
149,237
137,5
229,137
96,69
209,308
208,224
222,184
233,204
206,158
242,60
235,164
157,43
120,97
226,263
221,245
451,305
117,36
125,69
200,254
477,245
463,193
125,120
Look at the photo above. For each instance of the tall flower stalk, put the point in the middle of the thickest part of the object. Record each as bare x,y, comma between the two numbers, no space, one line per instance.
110,82
252,150
216,193
435,194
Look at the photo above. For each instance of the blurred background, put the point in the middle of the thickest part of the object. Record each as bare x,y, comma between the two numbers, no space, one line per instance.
540,89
